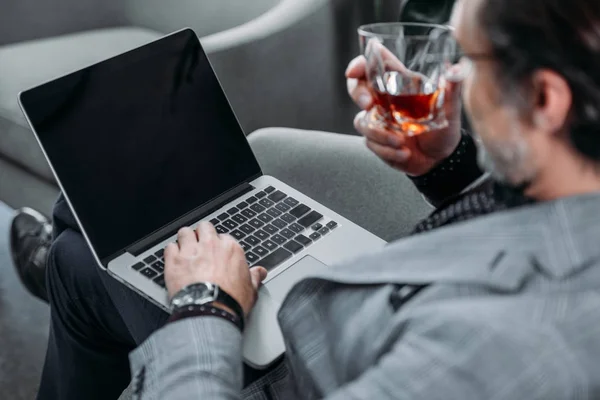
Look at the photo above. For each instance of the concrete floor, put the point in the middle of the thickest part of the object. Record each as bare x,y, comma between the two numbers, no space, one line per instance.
23,327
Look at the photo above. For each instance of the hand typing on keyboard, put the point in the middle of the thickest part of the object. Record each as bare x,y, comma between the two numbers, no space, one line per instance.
205,256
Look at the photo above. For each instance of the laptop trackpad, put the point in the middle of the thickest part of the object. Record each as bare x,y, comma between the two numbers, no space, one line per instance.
280,286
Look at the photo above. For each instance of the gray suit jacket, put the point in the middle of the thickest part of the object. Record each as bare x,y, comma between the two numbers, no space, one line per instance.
512,312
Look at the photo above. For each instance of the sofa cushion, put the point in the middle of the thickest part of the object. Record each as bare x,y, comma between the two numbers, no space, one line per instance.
28,64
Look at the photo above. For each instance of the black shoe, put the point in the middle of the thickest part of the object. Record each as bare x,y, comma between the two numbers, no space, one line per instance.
30,239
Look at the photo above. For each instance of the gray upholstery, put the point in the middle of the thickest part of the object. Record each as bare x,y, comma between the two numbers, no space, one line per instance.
340,172
205,17
90,31
25,65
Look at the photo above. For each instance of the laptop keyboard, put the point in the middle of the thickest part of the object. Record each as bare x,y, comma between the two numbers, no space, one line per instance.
270,226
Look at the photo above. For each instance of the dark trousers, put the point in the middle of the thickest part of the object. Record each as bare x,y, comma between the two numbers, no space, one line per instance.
95,320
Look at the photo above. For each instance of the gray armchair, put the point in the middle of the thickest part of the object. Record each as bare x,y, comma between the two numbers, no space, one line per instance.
40,40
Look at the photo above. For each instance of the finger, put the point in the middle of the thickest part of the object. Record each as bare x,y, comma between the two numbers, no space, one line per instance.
376,132
388,154
206,232
229,243
357,68
258,275
359,92
453,101
187,240
171,252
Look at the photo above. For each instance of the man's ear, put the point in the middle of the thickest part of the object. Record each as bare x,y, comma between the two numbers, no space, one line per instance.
552,101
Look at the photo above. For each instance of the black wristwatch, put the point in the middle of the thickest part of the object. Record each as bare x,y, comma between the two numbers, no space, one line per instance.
204,293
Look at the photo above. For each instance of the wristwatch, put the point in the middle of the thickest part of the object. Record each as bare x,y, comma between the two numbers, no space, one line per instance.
204,293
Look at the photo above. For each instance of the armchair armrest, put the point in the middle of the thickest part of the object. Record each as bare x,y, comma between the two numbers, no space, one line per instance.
280,17
22,20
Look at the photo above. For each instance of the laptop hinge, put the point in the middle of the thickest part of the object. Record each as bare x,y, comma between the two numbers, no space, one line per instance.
169,230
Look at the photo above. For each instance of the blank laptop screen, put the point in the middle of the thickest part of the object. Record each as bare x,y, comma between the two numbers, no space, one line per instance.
140,140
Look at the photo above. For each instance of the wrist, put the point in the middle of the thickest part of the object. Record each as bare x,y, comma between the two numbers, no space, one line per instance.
206,294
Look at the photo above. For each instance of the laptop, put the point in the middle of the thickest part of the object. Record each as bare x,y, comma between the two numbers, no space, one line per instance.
145,143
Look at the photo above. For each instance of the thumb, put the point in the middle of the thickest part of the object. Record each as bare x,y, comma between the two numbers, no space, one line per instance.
454,83
257,274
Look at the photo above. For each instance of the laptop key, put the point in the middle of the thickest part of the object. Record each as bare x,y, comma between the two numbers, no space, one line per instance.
266,203
270,189
160,280
296,228
283,207
245,246
159,266
252,258
292,202
288,218
248,213
149,272
257,208
300,210
269,245
221,229
270,229
150,259
215,221
310,219
332,225
316,227
279,223
266,218
160,253
138,266
240,219
260,251
256,223
251,199
252,241
277,238
260,195
238,234
274,259
293,246
247,229
262,235
223,217
273,212
315,236
242,205
287,233
277,196
232,210
303,240
229,224
323,231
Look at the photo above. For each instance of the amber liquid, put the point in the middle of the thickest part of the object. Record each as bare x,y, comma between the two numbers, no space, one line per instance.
410,112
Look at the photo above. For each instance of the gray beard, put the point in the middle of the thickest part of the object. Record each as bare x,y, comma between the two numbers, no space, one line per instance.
507,162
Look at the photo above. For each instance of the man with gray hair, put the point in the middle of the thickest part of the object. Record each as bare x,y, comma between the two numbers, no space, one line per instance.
501,306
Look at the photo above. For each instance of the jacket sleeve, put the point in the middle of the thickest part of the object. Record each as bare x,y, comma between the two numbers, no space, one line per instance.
469,361
187,358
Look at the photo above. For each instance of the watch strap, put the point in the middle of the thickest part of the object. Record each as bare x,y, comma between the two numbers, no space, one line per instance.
193,311
224,298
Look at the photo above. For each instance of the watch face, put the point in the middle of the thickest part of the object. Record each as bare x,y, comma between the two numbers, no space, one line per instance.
202,291
199,293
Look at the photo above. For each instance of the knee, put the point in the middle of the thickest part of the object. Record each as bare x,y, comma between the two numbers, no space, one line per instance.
71,269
